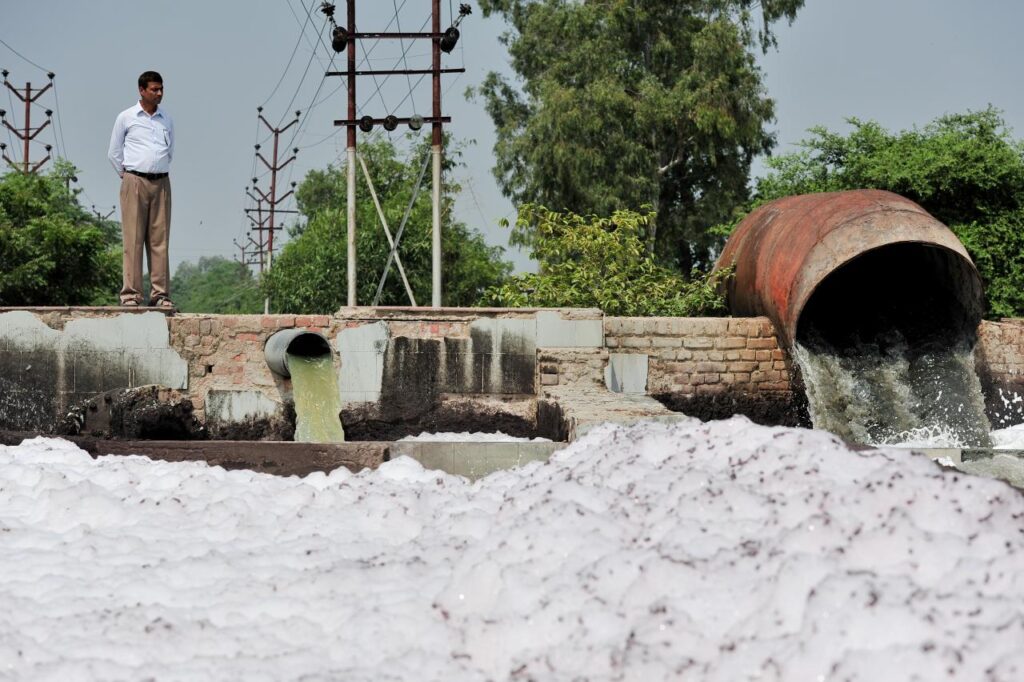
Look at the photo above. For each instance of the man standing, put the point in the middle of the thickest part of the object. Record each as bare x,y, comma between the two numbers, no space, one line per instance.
141,148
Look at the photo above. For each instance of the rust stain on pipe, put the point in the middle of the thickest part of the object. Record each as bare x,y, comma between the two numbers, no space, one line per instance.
785,249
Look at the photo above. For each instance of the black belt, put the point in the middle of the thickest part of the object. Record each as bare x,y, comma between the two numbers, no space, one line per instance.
148,176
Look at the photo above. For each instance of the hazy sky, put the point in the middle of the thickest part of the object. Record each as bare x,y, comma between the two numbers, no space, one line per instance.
900,62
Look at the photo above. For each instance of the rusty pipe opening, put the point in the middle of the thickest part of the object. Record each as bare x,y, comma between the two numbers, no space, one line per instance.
923,291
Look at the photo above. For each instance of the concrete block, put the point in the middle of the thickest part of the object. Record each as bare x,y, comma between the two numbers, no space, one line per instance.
555,332
473,460
508,336
237,406
21,330
361,350
161,366
626,373
127,331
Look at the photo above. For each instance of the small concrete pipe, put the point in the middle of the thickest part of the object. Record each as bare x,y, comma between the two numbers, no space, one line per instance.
294,342
851,261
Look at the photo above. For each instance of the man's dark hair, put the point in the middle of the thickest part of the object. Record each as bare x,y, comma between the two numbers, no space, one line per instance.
148,77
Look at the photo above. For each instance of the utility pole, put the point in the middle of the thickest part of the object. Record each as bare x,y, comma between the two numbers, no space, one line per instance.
263,222
273,200
351,153
259,224
100,216
27,134
435,152
247,257
344,39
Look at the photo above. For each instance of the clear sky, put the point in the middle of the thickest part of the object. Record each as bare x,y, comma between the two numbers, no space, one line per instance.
900,62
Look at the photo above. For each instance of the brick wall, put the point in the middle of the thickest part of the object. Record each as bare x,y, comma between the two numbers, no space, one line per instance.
225,352
698,356
999,359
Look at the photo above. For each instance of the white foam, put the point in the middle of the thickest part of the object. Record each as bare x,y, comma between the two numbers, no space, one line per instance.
1011,438
718,551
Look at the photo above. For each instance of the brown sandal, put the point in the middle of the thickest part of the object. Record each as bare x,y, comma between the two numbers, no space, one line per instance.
162,303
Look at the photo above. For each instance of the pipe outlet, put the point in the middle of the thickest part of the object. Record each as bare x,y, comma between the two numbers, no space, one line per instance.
853,260
293,342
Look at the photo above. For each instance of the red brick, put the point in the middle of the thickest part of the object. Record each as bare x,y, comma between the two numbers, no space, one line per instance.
730,343
762,343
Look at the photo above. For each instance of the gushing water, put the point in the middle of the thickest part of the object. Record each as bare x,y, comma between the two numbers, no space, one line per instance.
317,403
888,392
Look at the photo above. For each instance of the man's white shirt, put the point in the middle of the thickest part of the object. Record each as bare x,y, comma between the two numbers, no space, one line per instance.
141,142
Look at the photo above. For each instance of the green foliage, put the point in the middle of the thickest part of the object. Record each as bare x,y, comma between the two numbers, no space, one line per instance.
310,274
216,285
964,169
52,252
603,263
626,104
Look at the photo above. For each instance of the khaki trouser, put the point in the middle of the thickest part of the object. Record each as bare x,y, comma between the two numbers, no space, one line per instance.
146,221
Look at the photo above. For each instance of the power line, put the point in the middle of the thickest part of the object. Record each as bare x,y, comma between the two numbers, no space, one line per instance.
23,56
284,73
60,125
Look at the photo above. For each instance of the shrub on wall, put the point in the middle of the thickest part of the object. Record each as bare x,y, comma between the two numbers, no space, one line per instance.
587,261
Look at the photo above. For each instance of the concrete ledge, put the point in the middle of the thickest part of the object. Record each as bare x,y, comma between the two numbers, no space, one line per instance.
282,458
92,309
474,459
957,455
286,458
583,410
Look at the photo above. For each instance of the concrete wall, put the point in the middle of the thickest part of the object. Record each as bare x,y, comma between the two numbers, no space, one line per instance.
407,370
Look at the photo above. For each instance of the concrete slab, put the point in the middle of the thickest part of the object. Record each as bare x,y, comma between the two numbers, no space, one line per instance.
509,335
143,332
553,331
361,350
239,406
21,330
161,366
626,373
474,460
582,410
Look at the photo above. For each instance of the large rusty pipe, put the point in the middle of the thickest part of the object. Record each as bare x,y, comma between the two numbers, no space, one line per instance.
868,247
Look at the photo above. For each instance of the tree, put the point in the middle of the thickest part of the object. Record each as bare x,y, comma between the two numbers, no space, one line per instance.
964,169
603,263
628,104
52,252
310,274
216,285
